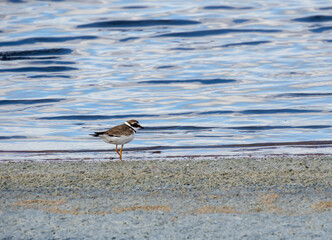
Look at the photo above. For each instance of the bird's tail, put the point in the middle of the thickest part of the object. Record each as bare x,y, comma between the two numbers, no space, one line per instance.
96,134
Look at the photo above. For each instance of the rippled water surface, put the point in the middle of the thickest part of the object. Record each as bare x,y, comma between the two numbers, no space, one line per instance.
203,77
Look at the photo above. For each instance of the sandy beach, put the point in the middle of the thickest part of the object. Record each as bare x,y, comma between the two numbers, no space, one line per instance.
279,197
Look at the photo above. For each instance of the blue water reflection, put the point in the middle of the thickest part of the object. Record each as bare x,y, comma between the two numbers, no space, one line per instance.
199,76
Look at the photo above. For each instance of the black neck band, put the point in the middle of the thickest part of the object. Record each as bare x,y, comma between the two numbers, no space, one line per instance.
130,127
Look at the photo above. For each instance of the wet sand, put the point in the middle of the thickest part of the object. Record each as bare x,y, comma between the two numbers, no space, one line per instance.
240,198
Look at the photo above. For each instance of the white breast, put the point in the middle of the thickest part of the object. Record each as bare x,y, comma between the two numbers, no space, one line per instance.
117,140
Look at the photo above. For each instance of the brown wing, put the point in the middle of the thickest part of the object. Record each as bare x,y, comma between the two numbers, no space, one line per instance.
120,130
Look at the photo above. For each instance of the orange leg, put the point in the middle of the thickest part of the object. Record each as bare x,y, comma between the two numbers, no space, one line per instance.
121,152
116,149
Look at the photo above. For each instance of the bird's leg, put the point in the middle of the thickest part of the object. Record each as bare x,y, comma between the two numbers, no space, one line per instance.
121,152
116,149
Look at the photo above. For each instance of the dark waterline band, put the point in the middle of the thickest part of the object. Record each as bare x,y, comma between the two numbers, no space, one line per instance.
324,143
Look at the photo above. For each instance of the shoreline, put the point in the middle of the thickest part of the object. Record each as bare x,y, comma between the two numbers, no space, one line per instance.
180,194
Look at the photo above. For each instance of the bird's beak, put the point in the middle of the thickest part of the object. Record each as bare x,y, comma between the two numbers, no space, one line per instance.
140,126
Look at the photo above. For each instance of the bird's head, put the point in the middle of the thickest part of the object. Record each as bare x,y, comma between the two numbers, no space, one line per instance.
134,124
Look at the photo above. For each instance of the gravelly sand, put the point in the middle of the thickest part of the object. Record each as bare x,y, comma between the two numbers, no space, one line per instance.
235,198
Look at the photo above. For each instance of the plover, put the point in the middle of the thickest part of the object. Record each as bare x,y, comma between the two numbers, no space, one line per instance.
120,135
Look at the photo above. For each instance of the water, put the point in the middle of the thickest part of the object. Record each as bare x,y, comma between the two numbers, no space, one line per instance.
203,77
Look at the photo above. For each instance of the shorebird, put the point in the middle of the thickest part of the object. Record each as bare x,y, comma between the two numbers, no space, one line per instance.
120,135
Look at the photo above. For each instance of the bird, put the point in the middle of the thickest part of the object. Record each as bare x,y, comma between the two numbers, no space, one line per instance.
120,135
